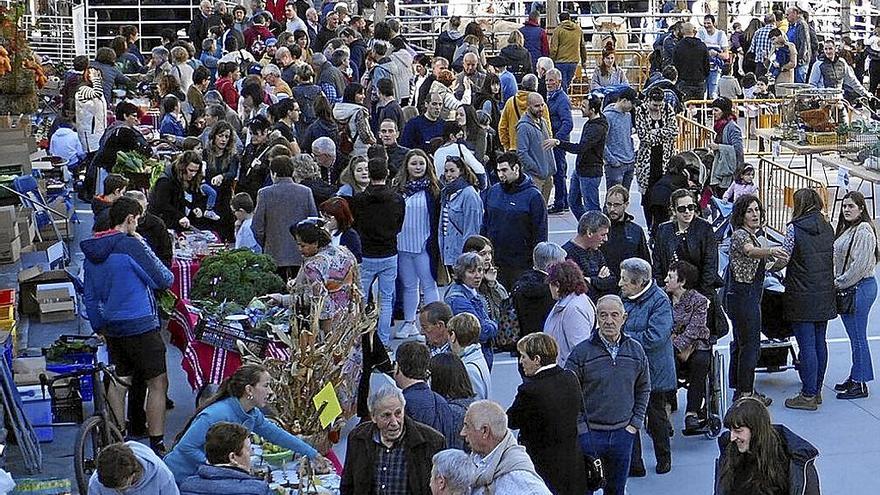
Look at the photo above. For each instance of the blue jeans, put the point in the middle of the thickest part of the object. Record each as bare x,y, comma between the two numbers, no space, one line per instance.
622,174
560,196
567,69
414,269
615,449
856,325
812,354
712,83
211,193
583,194
385,270
800,73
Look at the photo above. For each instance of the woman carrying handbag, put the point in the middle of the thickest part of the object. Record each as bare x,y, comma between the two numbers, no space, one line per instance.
855,256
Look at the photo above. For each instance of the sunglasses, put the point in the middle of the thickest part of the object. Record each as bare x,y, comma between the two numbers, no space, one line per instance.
686,208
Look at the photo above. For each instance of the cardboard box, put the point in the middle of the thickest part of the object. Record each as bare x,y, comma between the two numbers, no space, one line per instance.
57,302
47,254
29,279
10,251
27,370
27,227
63,226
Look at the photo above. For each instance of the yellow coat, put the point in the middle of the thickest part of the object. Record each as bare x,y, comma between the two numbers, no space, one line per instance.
510,117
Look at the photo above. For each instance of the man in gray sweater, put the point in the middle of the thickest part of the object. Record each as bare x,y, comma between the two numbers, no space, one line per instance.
532,147
613,371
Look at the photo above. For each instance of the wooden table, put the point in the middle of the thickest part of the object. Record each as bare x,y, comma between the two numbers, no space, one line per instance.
805,150
857,171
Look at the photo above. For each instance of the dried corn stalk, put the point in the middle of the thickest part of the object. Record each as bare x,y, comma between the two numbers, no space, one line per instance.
317,356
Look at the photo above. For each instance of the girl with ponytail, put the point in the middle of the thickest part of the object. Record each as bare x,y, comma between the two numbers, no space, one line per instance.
239,400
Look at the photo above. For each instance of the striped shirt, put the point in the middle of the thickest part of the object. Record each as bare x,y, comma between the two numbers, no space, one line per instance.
416,224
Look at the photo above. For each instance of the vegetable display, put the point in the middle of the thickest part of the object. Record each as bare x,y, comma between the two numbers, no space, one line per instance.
132,161
238,275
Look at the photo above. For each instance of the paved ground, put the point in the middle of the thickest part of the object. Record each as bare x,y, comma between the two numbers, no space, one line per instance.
845,432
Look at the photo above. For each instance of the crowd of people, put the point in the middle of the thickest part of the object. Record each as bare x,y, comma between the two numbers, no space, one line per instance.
361,165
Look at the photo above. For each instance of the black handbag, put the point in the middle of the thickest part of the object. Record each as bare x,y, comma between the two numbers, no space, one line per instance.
845,299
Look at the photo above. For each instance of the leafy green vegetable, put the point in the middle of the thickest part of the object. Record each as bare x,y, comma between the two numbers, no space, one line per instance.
238,275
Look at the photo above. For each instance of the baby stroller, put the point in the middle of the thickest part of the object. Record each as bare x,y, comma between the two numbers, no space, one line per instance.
776,344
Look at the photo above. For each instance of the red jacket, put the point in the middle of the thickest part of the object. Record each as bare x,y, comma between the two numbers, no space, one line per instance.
226,87
276,8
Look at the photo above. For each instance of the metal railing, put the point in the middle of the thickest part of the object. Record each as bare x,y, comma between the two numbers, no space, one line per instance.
692,135
634,62
754,114
776,187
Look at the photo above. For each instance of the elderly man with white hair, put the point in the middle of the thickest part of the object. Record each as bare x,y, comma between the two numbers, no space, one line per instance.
452,474
649,321
275,85
324,152
503,466
531,295
613,372
392,453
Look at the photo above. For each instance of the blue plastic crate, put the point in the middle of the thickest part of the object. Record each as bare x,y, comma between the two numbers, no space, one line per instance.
38,410
86,389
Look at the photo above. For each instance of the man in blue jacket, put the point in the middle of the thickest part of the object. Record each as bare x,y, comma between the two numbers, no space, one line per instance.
649,321
560,112
121,275
514,219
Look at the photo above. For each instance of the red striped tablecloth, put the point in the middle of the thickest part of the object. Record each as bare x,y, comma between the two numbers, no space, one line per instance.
204,363
184,270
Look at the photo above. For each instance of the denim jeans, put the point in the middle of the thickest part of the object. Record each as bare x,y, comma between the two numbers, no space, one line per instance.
414,270
385,270
567,69
622,174
615,449
800,73
560,196
856,325
812,354
583,194
211,193
744,309
712,84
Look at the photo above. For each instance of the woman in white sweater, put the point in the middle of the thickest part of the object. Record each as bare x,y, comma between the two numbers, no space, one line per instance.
855,256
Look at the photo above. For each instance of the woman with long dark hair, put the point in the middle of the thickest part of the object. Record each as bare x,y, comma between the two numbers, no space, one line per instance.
758,457
354,116
417,247
176,194
744,281
461,209
855,256
221,169
608,73
239,400
340,225
449,378
808,300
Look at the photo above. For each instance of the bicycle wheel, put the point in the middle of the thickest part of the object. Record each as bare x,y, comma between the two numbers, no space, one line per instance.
95,434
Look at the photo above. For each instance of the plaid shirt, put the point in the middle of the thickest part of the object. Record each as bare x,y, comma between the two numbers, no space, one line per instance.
761,43
390,477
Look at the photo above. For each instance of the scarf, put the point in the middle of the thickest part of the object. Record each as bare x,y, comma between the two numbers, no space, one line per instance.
415,186
719,127
507,457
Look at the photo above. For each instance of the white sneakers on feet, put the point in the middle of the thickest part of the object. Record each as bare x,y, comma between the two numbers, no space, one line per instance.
211,215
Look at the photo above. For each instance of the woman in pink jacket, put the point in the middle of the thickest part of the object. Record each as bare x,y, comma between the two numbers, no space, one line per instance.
572,318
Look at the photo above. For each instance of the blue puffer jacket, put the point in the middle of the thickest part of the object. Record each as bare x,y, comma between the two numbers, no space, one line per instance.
649,321
221,480
515,220
466,300
121,273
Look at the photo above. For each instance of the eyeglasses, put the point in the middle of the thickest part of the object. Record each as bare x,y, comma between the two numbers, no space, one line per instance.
686,208
613,205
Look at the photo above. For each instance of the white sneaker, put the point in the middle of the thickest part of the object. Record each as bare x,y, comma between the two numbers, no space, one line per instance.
406,331
211,215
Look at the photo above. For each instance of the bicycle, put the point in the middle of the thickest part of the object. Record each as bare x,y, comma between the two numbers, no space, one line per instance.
98,430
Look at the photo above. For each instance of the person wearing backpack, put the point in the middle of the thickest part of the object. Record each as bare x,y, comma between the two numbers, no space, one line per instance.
353,121
449,40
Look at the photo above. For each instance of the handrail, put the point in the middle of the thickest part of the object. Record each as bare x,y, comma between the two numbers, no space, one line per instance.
692,134
776,187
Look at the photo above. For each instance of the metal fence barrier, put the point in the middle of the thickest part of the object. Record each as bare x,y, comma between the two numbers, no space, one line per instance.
776,187
692,134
